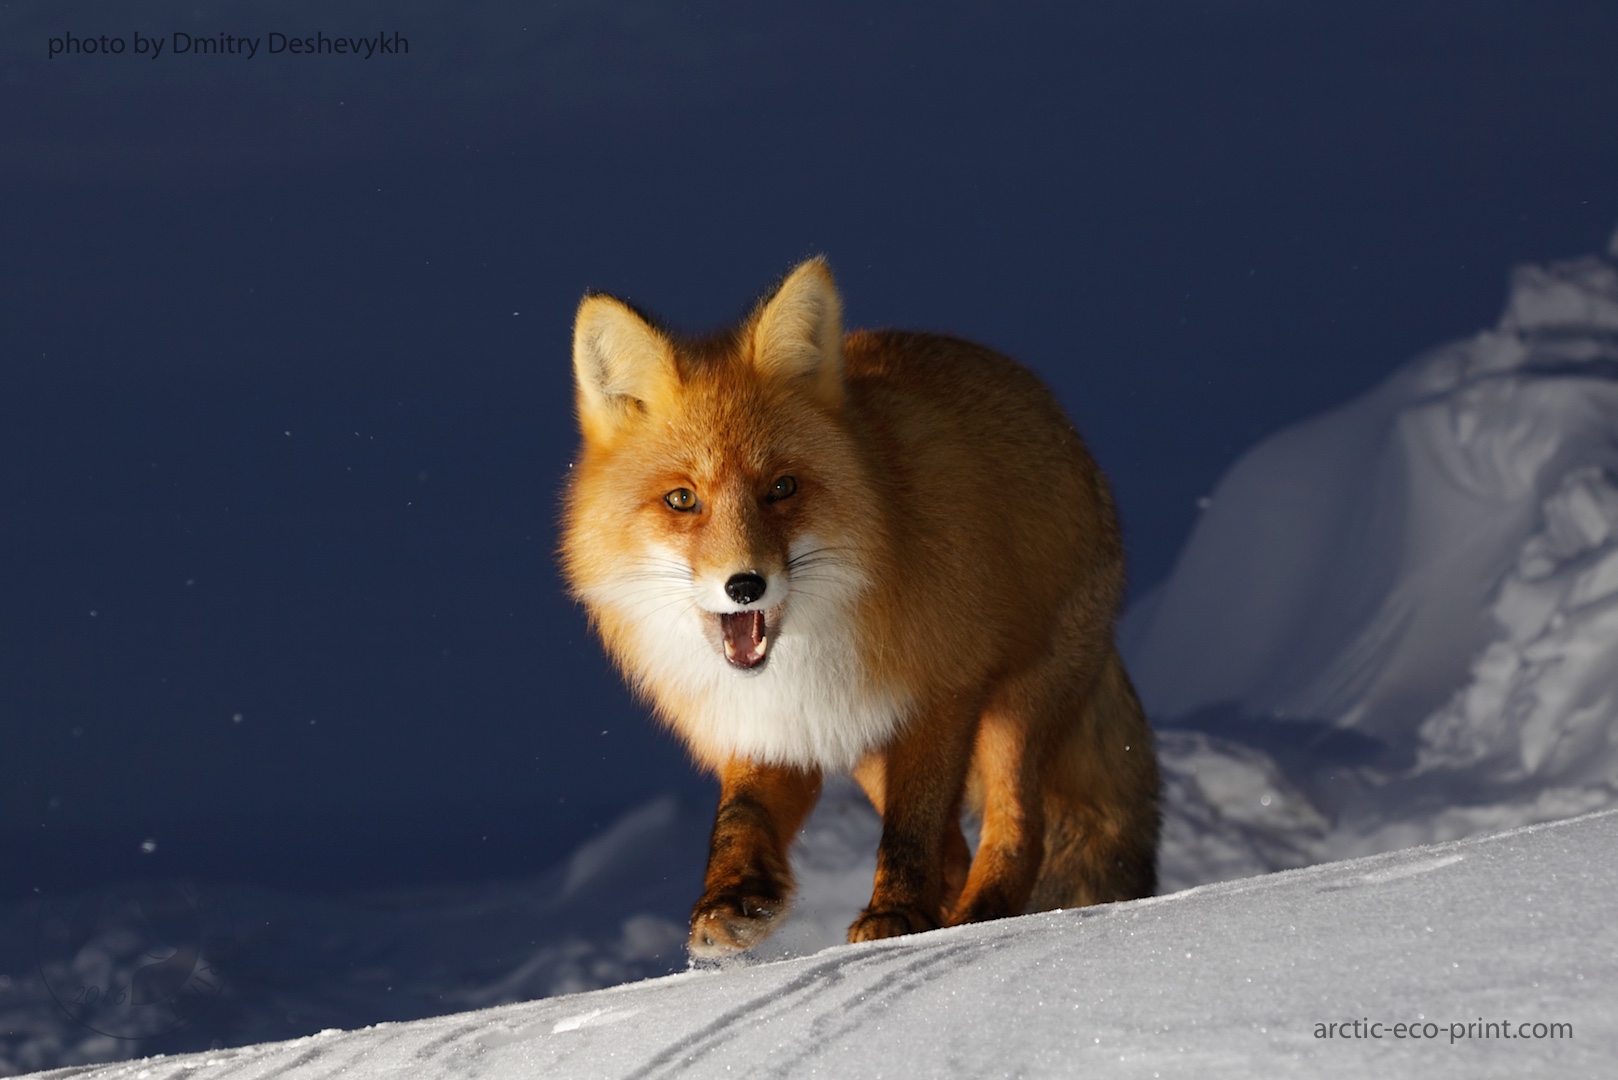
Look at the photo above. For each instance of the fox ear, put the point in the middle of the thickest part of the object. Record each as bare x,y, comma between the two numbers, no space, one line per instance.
620,363
798,332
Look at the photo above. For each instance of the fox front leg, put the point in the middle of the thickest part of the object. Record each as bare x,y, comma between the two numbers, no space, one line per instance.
922,858
749,883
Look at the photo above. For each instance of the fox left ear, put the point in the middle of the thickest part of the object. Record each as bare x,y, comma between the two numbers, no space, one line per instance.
798,332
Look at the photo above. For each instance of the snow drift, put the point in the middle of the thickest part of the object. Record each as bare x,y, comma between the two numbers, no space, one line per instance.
1410,604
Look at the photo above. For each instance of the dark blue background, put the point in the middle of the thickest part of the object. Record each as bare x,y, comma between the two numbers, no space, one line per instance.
285,401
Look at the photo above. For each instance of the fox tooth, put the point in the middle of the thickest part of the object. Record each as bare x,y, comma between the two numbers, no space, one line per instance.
763,647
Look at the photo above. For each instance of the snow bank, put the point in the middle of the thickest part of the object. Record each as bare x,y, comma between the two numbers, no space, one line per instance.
1475,947
1432,570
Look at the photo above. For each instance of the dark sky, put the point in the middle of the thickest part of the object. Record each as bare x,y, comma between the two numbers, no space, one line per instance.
284,386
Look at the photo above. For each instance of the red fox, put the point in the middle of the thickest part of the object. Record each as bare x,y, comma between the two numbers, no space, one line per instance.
884,553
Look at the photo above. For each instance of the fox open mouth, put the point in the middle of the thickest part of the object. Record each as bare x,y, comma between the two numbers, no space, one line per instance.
746,638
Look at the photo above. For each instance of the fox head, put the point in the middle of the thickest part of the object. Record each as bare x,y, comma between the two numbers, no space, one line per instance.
719,518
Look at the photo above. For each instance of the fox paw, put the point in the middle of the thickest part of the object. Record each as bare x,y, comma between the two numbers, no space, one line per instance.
890,922
731,922
983,907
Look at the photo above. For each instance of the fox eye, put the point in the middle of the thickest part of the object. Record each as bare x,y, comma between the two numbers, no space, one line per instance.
784,488
681,499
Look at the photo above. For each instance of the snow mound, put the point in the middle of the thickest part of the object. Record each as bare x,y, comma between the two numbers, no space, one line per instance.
1431,569
1335,970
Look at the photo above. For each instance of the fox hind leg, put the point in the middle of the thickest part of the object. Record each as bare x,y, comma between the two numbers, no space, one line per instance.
1068,780
1102,803
1007,766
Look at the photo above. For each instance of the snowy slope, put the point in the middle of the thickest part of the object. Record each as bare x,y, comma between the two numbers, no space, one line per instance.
1226,980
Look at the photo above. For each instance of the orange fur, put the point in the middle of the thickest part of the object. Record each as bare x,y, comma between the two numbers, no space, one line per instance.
938,567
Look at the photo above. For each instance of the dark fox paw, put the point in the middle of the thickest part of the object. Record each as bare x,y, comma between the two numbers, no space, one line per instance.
730,922
890,922
985,906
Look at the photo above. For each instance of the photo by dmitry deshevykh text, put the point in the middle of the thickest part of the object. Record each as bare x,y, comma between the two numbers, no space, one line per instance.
248,46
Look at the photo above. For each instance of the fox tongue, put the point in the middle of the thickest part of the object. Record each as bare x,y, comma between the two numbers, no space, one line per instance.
745,643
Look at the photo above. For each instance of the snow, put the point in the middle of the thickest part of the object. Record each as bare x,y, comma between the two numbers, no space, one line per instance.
1231,979
1428,576
1393,632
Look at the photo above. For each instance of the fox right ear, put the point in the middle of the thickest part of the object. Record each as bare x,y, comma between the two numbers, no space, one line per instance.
798,332
620,364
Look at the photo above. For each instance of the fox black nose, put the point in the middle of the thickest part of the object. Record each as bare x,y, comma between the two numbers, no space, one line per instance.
745,588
